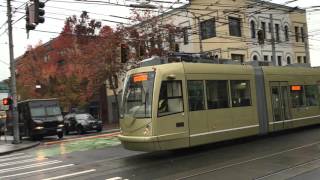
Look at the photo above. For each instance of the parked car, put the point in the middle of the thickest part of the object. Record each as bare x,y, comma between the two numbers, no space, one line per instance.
81,123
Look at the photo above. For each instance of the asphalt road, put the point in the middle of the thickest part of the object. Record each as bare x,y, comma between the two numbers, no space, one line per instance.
290,155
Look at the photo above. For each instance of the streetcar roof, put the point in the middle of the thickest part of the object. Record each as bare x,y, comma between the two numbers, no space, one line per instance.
208,68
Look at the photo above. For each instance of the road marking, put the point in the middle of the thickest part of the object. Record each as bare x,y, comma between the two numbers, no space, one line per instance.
15,158
72,174
82,138
21,162
6,156
29,166
40,170
116,178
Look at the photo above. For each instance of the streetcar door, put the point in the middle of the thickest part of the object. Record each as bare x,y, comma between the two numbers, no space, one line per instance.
197,112
280,105
172,122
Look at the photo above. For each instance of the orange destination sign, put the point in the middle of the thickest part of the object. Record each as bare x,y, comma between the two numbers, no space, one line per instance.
296,88
140,77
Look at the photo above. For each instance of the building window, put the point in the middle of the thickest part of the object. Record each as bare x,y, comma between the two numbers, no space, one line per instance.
263,27
277,27
255,58
196,95
279,60
302,34
237,57
304,59
217,94
253,29
185,36
296,31
270,27
299,59
266,58
172,41
234,26
288,60
170,98
286,33
208,29
240,93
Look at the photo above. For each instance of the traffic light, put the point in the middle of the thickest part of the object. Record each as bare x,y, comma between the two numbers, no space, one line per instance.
124,53
29,18
7,101
39,11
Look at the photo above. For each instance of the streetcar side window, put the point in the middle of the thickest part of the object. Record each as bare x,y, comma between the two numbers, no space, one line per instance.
240,93
217,94
312,96
170,98
196,95
297,96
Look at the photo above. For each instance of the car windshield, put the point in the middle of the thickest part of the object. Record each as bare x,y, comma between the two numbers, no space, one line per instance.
38,111
45,111
137,95
84,117
53,110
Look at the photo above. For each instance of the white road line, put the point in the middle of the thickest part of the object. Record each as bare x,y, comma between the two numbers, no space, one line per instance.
6,156
40,170
72,174
29,166
115,178
21,162
15,158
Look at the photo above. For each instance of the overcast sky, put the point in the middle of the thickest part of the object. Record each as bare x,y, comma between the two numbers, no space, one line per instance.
58,10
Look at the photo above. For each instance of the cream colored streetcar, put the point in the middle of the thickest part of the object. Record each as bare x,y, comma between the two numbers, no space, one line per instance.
184,104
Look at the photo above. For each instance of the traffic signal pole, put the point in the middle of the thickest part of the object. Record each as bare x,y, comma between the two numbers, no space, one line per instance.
13,89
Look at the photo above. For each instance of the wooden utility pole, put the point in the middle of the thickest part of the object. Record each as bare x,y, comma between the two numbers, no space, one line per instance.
13,89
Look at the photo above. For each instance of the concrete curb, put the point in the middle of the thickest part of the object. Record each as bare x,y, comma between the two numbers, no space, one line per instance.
31,145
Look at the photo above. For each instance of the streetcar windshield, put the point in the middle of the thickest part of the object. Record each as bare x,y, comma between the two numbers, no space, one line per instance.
137,95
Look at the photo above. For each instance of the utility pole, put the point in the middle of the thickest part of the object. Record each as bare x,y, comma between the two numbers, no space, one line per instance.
200,32
273,44
16,137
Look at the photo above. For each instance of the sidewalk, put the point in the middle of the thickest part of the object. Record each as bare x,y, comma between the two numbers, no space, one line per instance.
6,147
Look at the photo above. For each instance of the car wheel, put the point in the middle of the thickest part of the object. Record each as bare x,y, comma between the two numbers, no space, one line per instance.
99,129
60,135
66,131
80,130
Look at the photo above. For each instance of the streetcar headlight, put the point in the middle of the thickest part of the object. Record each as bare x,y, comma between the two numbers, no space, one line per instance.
147,130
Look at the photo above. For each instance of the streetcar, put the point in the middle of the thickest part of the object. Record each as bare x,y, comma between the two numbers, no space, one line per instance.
184,104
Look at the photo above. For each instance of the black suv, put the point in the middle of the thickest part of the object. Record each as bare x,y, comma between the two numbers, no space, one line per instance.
81,123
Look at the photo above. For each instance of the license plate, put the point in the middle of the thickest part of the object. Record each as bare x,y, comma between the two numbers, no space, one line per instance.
94,126
59,130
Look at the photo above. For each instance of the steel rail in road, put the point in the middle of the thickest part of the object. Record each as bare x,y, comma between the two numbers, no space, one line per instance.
260,158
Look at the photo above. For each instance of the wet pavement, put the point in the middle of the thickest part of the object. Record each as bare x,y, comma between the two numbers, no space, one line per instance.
292,155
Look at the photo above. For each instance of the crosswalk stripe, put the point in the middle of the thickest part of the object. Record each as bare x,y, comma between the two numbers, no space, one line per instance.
15,158
10,155
21,162
69,175
35,171
29,166
115,178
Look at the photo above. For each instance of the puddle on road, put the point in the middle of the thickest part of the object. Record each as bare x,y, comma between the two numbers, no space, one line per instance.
77,145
